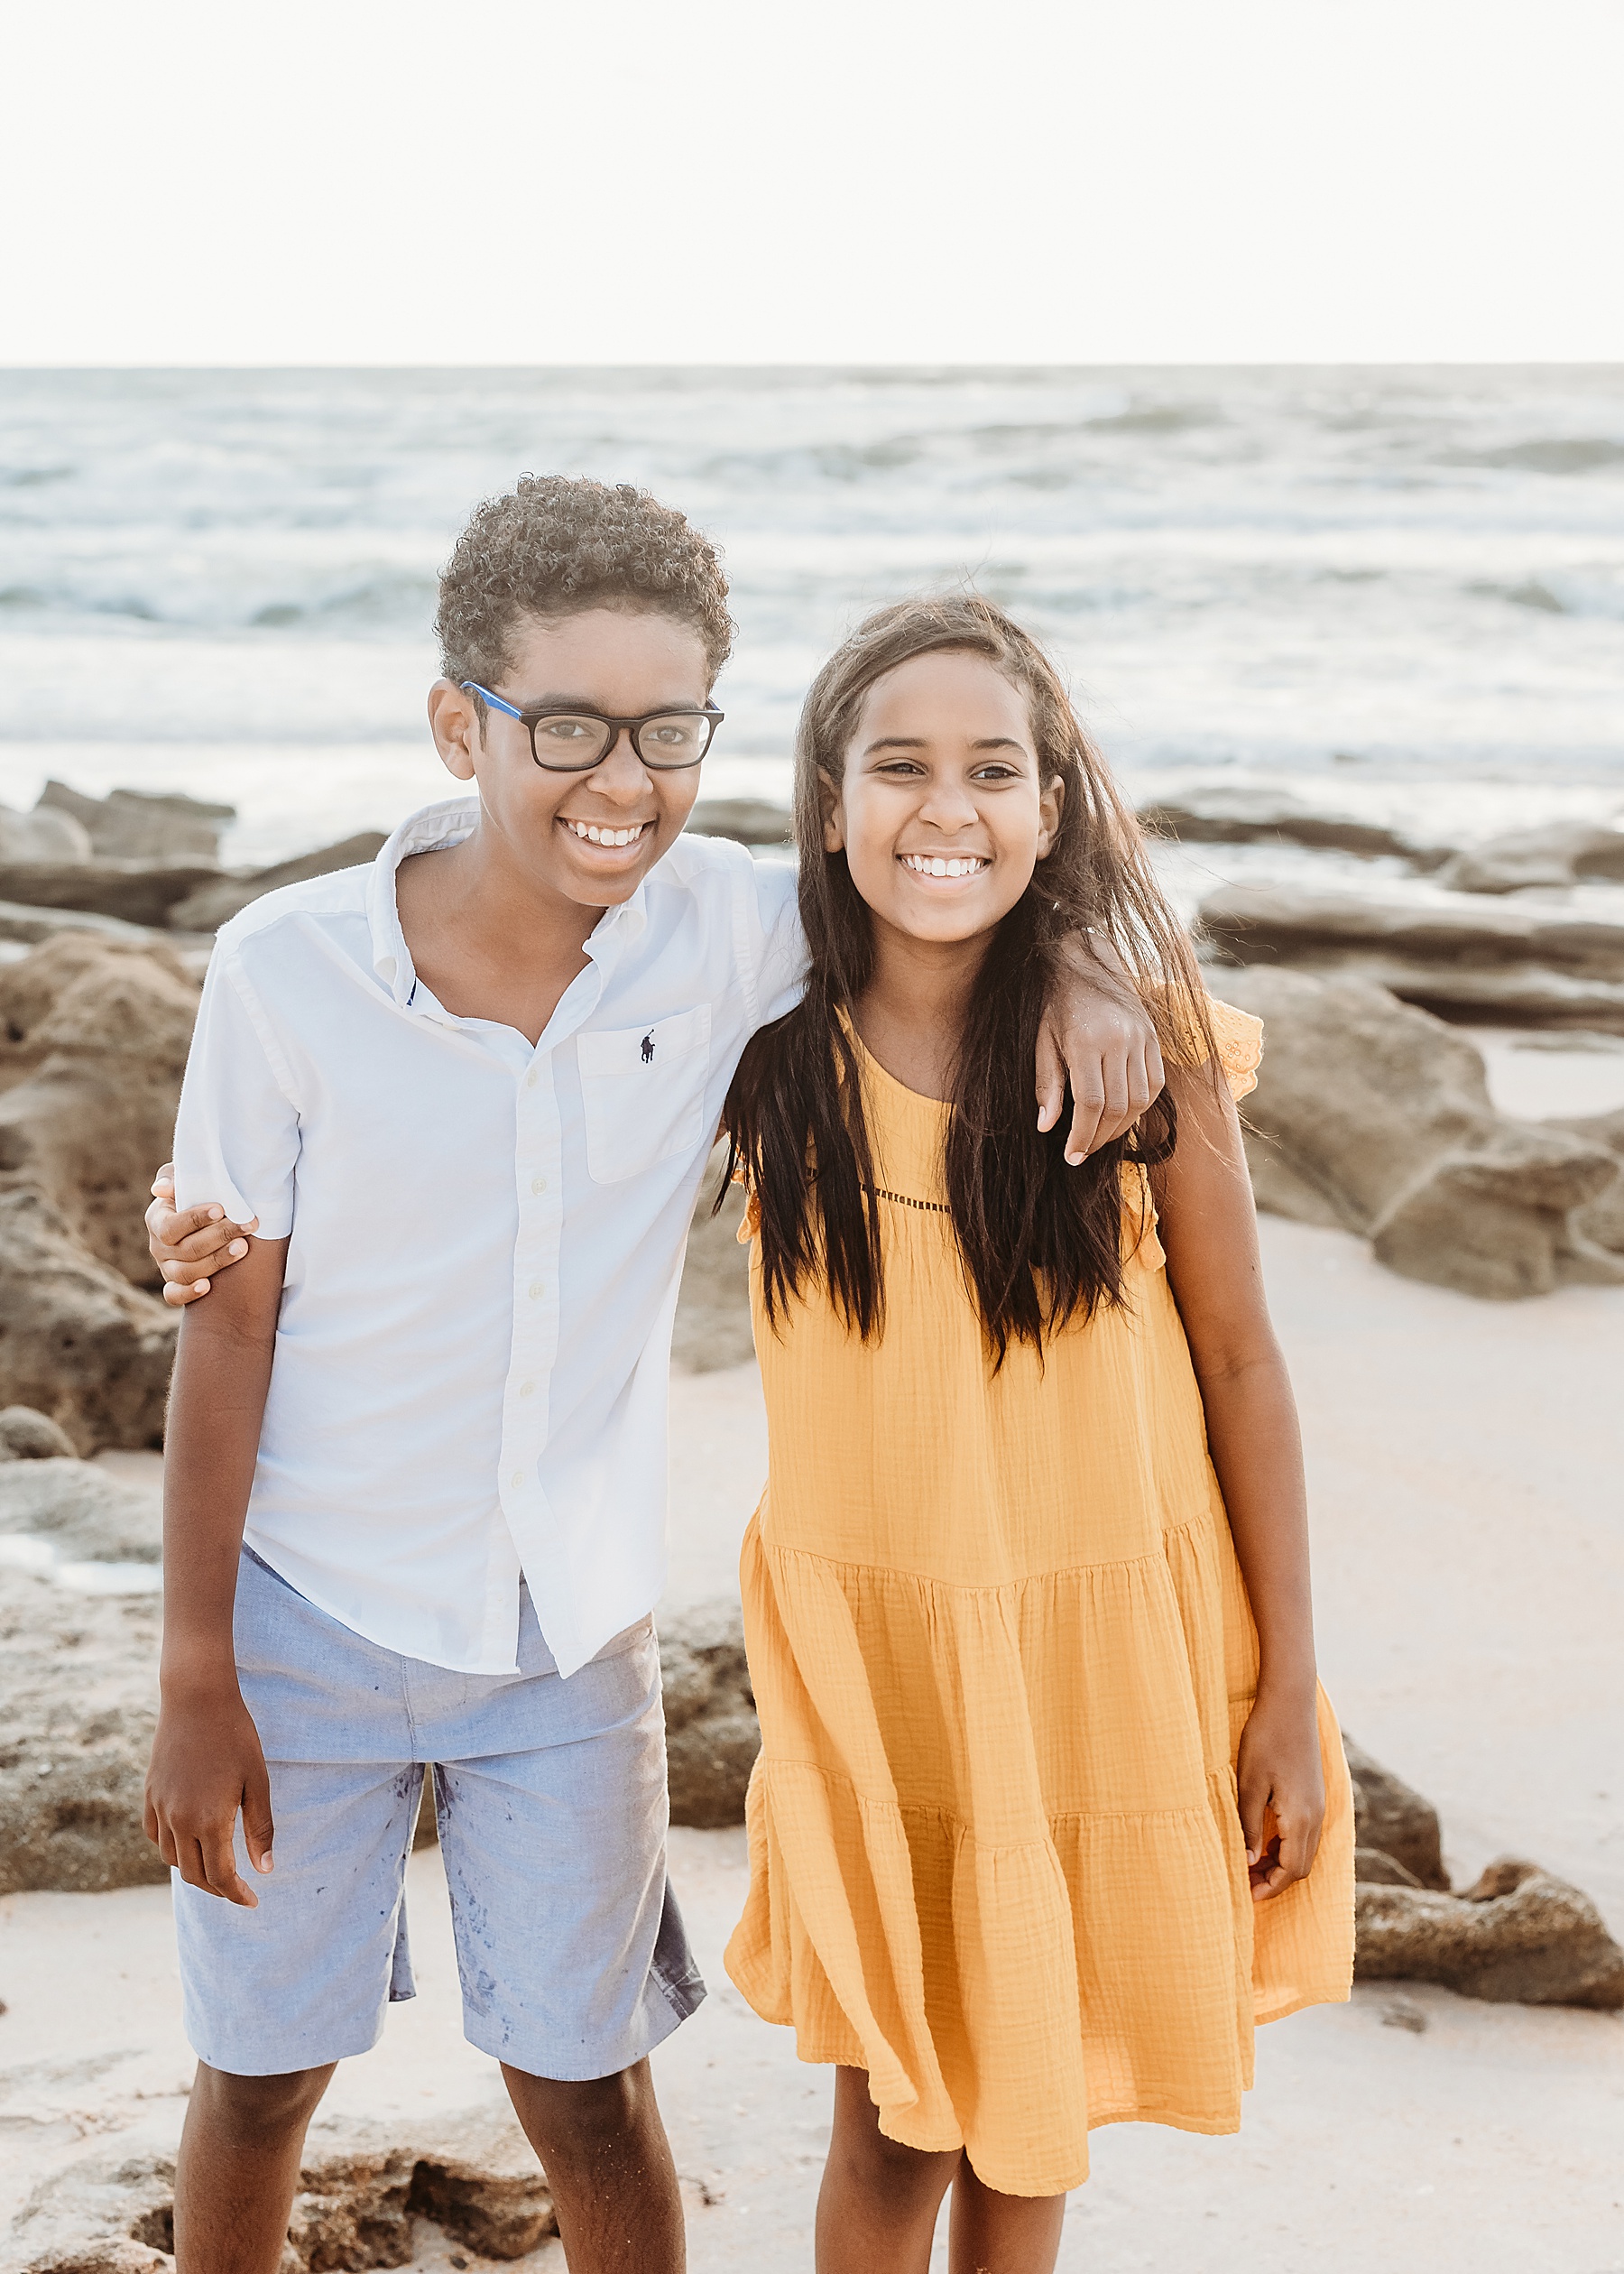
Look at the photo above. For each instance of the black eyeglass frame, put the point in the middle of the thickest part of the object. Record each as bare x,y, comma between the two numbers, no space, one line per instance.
531,719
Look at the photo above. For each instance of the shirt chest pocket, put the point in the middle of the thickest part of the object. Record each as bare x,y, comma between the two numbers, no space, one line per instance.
642,1092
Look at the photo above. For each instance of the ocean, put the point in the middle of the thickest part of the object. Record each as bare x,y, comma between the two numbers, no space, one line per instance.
1396,592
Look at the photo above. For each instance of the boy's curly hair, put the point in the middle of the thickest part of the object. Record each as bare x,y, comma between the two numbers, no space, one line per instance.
556,544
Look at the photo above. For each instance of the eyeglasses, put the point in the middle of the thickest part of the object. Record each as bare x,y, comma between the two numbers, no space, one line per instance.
576,741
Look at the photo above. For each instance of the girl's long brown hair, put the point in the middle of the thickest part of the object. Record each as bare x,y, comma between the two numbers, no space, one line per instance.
1041,1243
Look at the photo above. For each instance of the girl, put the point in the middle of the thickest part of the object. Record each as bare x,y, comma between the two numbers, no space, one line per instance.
1049,1809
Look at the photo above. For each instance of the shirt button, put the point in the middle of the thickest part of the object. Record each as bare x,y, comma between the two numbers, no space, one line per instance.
531,1078
516,1479
527,1389
538,1183
537,1288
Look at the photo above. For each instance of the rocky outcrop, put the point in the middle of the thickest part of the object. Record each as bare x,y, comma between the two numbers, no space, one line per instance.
747,820
28,1436
134,891
79,1698
94,1033
93,1040
29,927
1223,815
363,2192
1375,1116
142,824
1391,1821
217,900
1568,852
40,837
77,1341
1517,1937
1601,1221
712,1734
86,1515
1518,963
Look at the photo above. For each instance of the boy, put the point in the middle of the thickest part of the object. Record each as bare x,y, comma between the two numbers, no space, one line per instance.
416,1491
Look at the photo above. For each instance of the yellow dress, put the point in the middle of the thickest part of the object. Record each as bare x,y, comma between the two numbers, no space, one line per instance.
1002,1655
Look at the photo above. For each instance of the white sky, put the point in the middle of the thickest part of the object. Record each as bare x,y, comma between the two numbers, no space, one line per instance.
811,181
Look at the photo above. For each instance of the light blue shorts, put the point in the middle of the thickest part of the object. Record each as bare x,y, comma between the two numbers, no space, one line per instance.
552,1801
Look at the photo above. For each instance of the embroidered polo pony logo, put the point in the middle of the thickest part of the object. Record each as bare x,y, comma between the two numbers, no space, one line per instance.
647,1049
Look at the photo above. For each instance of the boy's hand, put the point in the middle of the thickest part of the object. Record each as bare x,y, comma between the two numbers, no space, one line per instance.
189,1247
1096,1031
207,1764
1281,1786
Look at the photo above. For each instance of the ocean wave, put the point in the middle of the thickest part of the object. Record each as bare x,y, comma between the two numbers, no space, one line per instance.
392,603
1565,592
1555,454
387,605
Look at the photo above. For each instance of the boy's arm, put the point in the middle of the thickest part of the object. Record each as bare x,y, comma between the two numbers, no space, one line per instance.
1209,1231
206,1762
1096,1033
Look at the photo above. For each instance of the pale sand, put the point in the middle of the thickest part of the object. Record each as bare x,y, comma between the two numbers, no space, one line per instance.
1469,1535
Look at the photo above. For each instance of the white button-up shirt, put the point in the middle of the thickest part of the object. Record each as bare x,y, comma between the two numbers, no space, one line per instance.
485,1240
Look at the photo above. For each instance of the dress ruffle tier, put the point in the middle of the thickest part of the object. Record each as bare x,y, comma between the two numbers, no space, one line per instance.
1002,1655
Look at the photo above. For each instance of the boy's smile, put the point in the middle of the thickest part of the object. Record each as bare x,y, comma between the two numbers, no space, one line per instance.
590,836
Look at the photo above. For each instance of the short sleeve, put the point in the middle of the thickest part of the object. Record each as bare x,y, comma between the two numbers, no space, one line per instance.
1240,1040
236,1137
781,974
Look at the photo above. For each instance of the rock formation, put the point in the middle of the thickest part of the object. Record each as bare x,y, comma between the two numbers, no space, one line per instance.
29,927
77,1341
79,1698
94,1033
1393,1823
1516,1935
1566,854
748,820
28,1436
1515,961
1226,815
93,1040
40,837
1373,1115
712,1734
1601,1221
141,824
362,2192
136,892
84,1514
215,901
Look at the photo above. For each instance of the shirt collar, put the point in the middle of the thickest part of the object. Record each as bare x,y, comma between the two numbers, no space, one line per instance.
449,823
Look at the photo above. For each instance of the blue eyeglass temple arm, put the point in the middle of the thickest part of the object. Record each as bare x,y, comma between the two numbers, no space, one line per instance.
472,687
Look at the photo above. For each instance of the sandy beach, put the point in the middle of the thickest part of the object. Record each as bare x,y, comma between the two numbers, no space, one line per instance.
1469,1537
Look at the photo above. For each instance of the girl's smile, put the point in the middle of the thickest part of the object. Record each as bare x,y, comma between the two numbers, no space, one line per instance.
941,809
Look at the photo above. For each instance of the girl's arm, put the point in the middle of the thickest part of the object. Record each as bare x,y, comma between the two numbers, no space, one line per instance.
1209,1231
206,1762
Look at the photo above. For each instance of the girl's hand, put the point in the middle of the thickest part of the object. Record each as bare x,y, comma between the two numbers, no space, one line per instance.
207,1764
1282,1791
189,1247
